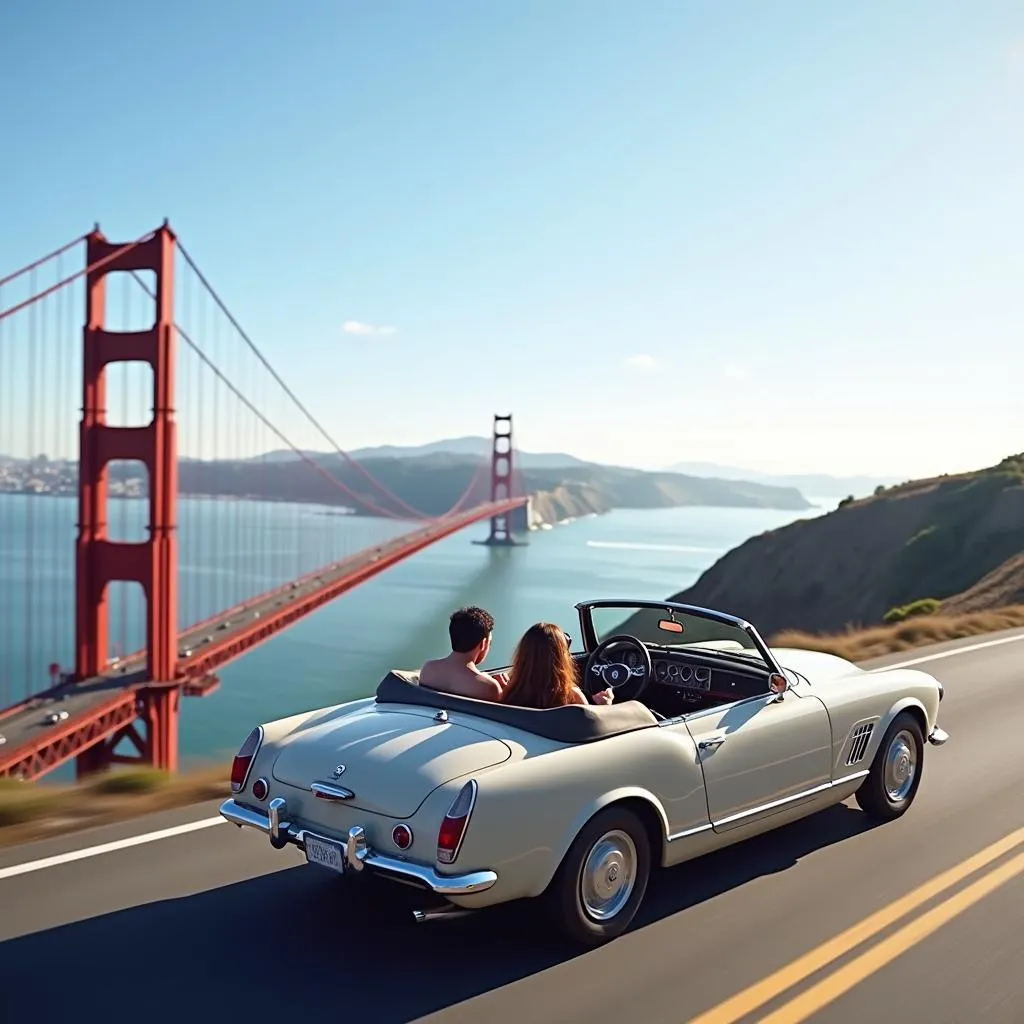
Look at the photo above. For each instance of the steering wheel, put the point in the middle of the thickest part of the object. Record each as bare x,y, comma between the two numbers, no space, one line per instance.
601,672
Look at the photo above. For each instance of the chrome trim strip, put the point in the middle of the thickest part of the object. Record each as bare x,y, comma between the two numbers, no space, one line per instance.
357,850
773,805
325,791
686,833
852,777
937,736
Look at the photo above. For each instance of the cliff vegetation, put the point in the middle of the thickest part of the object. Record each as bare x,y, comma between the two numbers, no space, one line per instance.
946,546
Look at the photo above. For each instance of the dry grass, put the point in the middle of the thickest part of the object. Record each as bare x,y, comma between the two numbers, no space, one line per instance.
30,811
862,644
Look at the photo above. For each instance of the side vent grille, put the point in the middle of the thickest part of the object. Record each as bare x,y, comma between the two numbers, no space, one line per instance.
860,737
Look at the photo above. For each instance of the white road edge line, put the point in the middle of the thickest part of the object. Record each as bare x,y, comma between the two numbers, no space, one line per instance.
967,649
117,844
195,826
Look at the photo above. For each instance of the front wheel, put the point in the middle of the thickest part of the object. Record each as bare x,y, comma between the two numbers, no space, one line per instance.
601,882
891,785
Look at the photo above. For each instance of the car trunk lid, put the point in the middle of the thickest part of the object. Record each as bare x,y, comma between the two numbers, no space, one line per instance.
389,759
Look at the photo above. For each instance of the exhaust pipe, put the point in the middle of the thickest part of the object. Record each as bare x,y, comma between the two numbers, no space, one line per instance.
439,913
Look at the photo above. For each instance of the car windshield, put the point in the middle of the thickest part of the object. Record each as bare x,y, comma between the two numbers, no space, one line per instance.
666,627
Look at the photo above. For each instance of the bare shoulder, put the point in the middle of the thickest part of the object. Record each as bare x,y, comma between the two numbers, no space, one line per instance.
490,688
578,697
429,669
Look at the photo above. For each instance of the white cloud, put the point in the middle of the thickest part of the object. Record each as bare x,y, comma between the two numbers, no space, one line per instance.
357,327
642,362
735,371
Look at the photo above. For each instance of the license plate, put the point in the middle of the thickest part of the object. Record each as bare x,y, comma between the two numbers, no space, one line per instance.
324,853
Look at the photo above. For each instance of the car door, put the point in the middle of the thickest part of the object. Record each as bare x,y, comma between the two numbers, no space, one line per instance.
761,754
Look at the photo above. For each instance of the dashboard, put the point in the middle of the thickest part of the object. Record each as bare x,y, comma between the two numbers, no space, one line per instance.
692,679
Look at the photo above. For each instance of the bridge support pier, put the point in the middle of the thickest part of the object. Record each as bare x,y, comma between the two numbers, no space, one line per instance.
502,526
156,745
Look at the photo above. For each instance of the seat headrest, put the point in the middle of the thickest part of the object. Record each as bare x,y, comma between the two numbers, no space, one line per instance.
407,676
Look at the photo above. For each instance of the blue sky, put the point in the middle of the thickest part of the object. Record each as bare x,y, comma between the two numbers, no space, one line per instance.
783,235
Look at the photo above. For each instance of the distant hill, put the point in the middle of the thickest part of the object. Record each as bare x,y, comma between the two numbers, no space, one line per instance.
433,482
477,446
949,543
817,485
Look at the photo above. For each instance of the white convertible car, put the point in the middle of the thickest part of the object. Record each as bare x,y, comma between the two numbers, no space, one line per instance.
713,738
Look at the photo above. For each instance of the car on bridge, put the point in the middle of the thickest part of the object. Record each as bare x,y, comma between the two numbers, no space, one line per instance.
714,737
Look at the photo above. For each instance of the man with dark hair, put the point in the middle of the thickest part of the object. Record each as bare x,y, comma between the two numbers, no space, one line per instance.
470,632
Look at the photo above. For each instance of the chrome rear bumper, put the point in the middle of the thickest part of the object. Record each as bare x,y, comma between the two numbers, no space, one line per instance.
938,736
358,855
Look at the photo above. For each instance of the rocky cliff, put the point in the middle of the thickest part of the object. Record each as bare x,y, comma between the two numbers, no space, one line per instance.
935,538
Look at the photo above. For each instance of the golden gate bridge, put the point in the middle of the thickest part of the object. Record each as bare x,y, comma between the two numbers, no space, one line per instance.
162,367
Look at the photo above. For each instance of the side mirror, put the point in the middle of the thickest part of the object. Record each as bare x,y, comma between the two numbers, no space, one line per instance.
778,684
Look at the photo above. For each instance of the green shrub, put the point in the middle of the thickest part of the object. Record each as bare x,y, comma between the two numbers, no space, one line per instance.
923,606
142,780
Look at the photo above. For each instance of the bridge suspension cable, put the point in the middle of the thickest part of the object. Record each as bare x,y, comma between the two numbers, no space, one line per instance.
355,464
36,264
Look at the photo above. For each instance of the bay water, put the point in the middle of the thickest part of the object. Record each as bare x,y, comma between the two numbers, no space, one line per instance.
395,620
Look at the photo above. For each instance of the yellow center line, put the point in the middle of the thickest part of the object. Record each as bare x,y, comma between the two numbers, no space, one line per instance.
803,967
874,959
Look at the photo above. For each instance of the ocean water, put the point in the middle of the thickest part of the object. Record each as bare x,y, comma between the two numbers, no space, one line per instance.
395,620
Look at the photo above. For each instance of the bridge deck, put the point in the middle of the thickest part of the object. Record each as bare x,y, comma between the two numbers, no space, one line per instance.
209,645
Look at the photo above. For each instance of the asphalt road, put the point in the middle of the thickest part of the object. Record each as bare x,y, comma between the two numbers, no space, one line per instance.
214,925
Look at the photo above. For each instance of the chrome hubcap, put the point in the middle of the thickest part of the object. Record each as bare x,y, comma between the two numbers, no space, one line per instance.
900,767
609,875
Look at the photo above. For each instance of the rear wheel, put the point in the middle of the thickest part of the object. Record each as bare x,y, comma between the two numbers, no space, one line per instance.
601,882
891,785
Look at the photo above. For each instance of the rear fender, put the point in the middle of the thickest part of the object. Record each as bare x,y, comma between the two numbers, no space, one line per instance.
520,827
615,796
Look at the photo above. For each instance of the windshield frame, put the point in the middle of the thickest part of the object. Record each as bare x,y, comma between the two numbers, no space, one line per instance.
589,634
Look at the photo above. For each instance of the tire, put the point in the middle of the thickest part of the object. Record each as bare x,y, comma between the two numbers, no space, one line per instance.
902,748
607,847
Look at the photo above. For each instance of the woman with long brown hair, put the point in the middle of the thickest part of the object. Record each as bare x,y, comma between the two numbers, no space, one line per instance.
543,674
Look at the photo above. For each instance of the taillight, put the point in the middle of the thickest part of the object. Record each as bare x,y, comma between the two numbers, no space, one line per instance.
242,764
453,825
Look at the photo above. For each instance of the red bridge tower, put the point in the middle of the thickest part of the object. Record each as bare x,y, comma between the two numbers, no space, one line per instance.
501,534
153,563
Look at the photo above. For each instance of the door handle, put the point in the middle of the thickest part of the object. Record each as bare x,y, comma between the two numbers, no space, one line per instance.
711,744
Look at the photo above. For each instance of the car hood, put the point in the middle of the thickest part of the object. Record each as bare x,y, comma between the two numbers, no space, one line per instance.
816,666
393,759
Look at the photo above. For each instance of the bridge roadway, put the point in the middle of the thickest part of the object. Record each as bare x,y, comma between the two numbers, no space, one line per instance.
209,924
209,644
